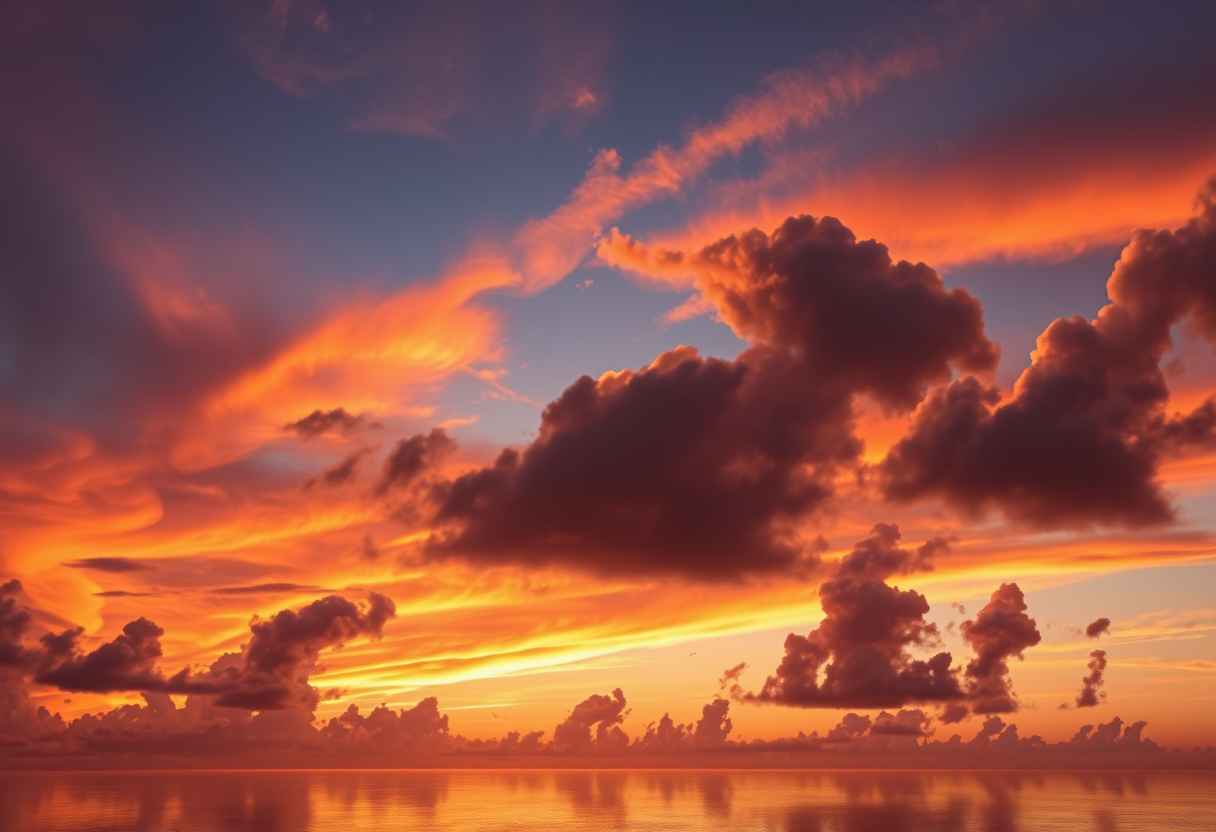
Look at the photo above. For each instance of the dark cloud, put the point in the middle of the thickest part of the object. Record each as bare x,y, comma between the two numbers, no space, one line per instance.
421,728
121,593
910,722
1098,627
858,656
709,732
953,712
1079,441
1091,685
116,565
14,623
343,471
851,727
602,713
690,465
714,726
1179,434
812,288
321,422
272,672
707,468
1163,277
1000,631
412,457
21,721
1113,736
128,662
267,589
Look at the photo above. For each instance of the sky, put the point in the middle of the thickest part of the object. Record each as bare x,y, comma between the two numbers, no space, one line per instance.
809,360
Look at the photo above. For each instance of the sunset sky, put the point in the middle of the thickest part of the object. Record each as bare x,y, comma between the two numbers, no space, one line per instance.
569,334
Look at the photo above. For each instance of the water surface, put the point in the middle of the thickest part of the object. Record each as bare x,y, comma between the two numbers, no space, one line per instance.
321,801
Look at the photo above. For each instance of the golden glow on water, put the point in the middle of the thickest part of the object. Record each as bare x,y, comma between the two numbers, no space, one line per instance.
823,801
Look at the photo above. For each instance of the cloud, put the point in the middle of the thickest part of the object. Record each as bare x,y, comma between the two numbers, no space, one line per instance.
1182,433
20,719
14,622
554,245
858,656
851,727
321,422
1091,686
128,662
953,712
1115,735
421,728
813,288
690,465
999,631
267,589
1098,627
412,457
375,354
862,646
273,669
343,471
704,467
709,732
115,565
602,713
1025,183
910,722
1080,440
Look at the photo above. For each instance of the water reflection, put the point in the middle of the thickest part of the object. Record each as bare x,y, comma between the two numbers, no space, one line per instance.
583,800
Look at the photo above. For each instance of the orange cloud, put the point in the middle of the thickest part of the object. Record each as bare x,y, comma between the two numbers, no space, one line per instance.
551,247
1030,186
366,357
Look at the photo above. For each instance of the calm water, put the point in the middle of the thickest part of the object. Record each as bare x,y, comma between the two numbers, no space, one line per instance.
638,800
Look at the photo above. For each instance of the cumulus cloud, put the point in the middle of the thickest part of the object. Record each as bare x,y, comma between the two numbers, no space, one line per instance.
128,662
690,465
1079,441
709,732
851,727
859,655
953,712
705,467
1097,627
812,288
1091,685
999,631
593,725
14,622
270,675
1115,735
273,669
420,728
910,722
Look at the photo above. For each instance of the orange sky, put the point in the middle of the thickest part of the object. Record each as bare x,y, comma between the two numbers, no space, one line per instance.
182,492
